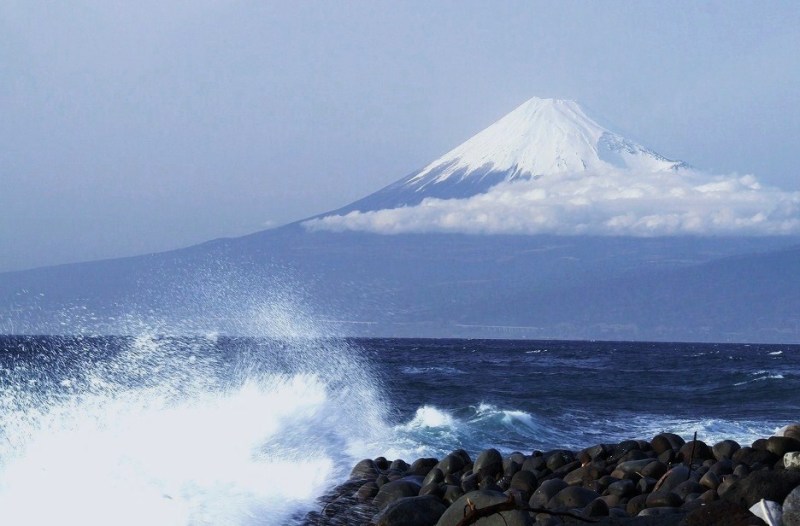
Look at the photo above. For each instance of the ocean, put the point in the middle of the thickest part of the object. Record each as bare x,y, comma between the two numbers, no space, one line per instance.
217,430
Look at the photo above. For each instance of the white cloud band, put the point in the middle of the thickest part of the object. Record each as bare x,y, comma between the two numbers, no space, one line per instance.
618,202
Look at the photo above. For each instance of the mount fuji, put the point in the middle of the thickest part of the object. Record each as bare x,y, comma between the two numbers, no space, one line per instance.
544,225
547,168
542,137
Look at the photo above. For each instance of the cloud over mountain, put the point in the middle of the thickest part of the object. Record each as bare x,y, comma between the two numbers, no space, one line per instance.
547,168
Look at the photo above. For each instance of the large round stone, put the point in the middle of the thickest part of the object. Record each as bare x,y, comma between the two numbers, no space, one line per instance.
749,457
700,449
769,485
546,491
572,497
392,491
663,499
481,499
422,466
489,463
725,449
451,463
558,458
791,508
782,445
434,475
412,511
525,482
366,469
665,441
672,478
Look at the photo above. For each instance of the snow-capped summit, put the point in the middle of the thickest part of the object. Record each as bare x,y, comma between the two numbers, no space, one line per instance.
542,137
547,168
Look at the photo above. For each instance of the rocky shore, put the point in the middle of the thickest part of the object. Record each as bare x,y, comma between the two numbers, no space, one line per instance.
659,482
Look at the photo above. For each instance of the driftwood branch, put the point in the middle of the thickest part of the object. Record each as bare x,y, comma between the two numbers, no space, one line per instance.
472,514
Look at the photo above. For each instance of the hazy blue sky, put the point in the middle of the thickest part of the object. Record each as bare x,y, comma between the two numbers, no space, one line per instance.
130,127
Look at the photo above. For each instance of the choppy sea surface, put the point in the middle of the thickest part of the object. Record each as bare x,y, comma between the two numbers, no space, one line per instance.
215,430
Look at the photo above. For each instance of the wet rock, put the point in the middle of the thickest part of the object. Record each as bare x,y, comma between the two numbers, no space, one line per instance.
721,513
510,468
622,488
791,508
636,504
672,478
662,499
646,485
684,489
597,508
741,471
451,463
366,492
558,458
534,464
546,491
412,511
701,452
792,430
659,511
770,485
598,452
624,469
399,465
722,467
750,456
666,441
452,494
382,463
710,480
470,482
434,475
434,488
726,484
572,497
422,466
622,449
392,491
760,444
516,456
583,475
365,469
655,469
489,463
782,445
480,499
725,449
525,482
668,457
489,484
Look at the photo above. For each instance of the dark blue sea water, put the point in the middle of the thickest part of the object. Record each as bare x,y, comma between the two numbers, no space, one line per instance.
244,431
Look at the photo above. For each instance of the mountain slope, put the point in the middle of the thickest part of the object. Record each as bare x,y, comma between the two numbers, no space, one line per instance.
542,137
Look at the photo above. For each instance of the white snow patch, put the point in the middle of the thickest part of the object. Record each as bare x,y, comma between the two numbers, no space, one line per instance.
542,136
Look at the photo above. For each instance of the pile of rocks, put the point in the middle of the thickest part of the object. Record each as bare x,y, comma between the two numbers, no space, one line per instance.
663,481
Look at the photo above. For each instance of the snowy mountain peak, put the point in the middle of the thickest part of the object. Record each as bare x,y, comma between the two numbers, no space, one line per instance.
541,137
547,168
